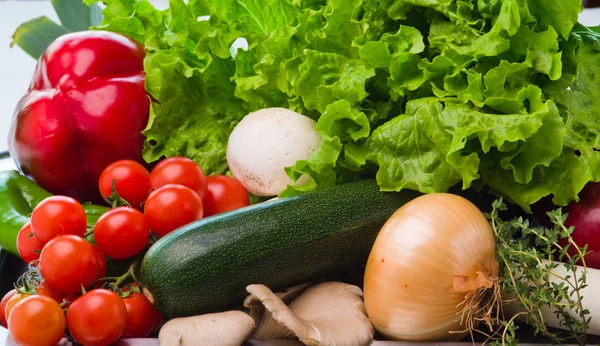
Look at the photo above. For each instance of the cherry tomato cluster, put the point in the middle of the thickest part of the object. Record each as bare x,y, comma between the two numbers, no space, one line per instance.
174,194
63,264
98,317
66,284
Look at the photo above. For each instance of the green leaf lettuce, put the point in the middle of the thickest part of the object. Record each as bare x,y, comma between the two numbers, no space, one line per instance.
420,94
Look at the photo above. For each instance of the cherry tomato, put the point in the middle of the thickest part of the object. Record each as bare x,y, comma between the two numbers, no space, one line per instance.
98,318
45,290
10,304
28,244
37,321
158,321
157,318
179,170
121,233
131,181
100,264
58,215
171,207
68,262
224,194
140,316
5,300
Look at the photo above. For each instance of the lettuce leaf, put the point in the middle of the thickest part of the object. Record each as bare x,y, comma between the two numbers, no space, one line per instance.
203,122
562,15
419,94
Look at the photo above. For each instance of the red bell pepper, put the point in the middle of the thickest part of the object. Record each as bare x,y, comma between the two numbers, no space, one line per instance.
85,108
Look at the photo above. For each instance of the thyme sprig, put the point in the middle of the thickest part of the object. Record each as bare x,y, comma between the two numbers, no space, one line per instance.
529,277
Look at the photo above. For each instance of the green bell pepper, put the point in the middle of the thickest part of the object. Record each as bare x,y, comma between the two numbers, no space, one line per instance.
18,197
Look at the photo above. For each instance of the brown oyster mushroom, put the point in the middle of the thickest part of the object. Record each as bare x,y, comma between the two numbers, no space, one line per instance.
231,328
331,313
257,309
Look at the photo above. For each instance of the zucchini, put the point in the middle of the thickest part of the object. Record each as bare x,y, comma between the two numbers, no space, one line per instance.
206,266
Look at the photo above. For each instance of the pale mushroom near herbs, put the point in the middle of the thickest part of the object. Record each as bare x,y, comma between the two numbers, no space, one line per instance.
331,313
264,143
231,328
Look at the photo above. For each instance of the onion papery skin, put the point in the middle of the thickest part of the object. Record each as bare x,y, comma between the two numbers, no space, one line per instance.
427,257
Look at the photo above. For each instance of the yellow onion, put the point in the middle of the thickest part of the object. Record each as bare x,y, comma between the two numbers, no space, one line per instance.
432,272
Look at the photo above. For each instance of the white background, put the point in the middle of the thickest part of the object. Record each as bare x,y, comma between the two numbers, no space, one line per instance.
16,67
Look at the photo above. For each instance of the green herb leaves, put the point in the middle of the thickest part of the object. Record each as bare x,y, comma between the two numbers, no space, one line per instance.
536,286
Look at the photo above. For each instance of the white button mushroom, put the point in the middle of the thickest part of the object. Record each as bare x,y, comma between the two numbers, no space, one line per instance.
264,143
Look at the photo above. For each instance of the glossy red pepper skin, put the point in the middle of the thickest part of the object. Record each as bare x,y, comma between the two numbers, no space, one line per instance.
85,108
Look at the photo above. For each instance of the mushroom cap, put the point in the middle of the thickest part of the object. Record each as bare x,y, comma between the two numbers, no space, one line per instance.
264,143
331,313
229,328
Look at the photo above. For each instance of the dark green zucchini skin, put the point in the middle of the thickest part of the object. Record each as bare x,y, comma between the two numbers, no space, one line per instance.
206,266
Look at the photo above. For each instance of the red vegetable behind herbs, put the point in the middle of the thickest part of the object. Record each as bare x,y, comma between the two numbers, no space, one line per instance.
85,108
584,216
